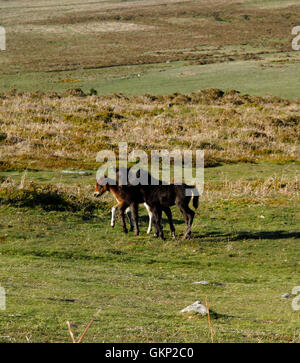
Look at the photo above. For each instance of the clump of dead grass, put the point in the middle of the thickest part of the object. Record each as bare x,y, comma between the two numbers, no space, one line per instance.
255,189
49,197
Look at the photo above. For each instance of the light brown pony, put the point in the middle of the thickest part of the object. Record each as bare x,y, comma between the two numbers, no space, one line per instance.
118,193
126,199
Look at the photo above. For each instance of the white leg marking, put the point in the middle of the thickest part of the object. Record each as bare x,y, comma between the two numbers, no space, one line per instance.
128,213
113,216
150,218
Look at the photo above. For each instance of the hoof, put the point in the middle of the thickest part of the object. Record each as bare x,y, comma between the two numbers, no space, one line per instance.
161,236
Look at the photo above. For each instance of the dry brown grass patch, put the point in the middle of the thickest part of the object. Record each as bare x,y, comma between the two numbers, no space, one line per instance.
41,130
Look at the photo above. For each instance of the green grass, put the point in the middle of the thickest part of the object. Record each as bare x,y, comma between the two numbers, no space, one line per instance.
252,77
48,260
59,266
231,172
64,265
271,4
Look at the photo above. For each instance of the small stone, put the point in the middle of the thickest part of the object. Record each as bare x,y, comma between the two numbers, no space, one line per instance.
201,282
75,172
197,307
285,296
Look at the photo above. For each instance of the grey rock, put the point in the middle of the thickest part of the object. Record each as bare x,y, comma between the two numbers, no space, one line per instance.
197,307
285,296
75,172
201,282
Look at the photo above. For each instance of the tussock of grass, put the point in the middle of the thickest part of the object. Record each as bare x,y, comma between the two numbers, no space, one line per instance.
257,189
49,197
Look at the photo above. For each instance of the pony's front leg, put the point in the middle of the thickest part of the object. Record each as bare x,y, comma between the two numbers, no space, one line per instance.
113,216
128,214
122,208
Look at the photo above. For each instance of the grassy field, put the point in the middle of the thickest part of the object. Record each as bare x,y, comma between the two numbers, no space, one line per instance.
60,265
117,46
176,74
276,76
272,4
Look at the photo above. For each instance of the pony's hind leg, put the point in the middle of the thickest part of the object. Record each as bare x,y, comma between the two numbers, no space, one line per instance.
168,213
135,213
191,215
128,214
188,215
156,214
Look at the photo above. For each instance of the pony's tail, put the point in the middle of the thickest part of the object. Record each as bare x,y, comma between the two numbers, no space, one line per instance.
195,197
195,201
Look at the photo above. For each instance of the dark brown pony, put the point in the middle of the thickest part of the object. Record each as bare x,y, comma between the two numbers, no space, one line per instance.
159,197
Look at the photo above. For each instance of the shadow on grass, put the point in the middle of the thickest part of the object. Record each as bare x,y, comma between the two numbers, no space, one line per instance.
145,219
248,235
